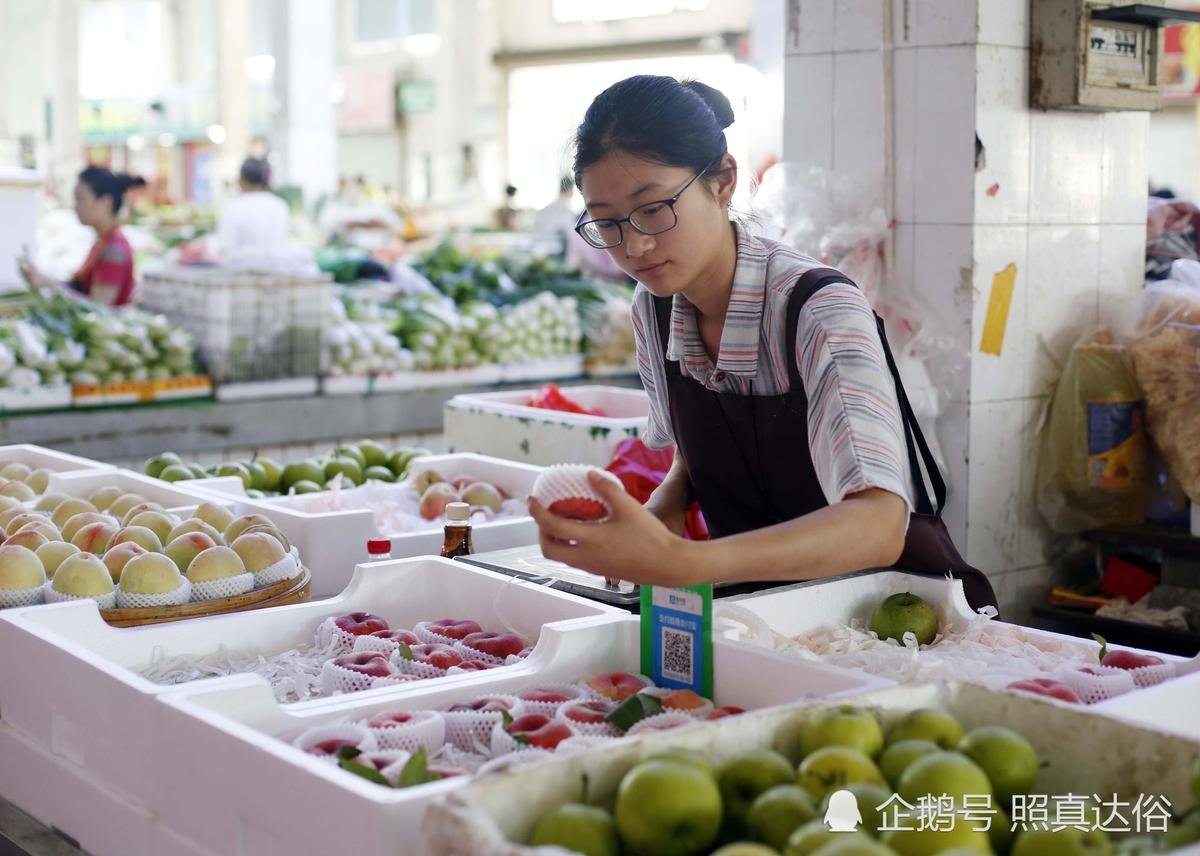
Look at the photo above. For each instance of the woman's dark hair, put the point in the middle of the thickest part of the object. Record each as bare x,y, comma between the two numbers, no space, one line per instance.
256,172
104,182
661,119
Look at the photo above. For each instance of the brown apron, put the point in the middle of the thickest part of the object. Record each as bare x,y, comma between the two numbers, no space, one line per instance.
749,463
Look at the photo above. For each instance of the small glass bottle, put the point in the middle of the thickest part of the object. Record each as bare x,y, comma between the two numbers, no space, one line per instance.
458,531
379,549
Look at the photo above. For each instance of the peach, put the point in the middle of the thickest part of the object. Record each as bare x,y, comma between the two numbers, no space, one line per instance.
138,509
186,547
617,686
120,555
273,532
217,516
20,568
150,573
483,494
435,499
215,563
8,515
29,539
121,505
158,522
39,479
44,526
258,550
425,479
95,538
17,521
194,525
105,497
53,554
68,508
83,575
15,471
241,524
18,490
50,501
79,521
8,503
140,535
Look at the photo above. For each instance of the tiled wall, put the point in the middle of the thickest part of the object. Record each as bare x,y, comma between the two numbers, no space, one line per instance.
1060,195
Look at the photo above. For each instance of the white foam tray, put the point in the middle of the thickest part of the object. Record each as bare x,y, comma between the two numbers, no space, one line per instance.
1134,761
68,683
500,423
233,743
332,542
36,457
803,608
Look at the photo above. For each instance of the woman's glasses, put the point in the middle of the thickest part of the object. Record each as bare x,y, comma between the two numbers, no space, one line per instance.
652,218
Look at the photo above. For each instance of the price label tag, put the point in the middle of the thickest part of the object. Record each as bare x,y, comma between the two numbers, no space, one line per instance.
677,637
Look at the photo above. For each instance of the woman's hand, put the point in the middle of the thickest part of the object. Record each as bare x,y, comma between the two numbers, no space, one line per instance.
633,544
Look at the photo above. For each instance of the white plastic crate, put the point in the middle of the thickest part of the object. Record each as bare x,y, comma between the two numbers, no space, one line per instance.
36,457
504,808
501,424
70,685
332,542
235,743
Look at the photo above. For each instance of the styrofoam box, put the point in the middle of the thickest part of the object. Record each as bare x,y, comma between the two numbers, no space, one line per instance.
172,496
69,685
331,542
500,423
1171,706
234,743
40,457
489,812
803,608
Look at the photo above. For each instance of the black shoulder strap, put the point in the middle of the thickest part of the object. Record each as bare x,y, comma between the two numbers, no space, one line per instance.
662,314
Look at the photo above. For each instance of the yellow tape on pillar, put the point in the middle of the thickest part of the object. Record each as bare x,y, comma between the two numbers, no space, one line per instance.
999,302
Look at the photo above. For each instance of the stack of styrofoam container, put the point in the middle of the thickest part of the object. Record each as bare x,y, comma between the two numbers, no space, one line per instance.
40,457
234,743
331,542
1084,754
85,746
502,424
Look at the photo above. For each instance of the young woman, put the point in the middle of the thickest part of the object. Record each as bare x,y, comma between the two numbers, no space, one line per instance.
107,274
767,372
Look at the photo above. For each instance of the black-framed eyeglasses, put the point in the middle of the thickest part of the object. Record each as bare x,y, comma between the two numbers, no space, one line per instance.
650,218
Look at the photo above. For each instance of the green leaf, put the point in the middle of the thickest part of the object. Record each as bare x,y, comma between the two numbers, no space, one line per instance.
633,710
368,773
506,718
416,771
404,651
348,752
1103,645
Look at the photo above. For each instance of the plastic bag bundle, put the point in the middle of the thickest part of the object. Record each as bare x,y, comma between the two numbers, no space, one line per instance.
1092,468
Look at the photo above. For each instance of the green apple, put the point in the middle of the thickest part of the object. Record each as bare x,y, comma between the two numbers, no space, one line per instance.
896,758
176,473
373,453
347,467
1000,832
833,768
258,475
352,452
842,847
1008,759
943,774
237,470
683,755
273,471
779,812
302,471
869,798
306,486
814,835
158,463
1065,842
905,613
667,808
382,474
963,836
743,777
1183,831
745,848
844,725
199,472
586,829
927,724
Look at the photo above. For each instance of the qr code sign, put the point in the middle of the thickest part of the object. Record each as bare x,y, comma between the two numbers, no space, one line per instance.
678,658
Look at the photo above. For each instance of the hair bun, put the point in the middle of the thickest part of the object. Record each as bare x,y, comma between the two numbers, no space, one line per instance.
715,99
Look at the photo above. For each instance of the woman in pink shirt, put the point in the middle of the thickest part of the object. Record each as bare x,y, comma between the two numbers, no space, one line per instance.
107,274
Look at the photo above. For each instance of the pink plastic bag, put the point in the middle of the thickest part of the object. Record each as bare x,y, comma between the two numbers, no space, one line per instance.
642,469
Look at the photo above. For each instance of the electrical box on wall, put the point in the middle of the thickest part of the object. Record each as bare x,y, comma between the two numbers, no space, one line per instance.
1089,55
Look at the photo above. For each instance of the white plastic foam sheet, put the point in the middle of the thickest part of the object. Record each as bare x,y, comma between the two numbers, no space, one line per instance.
332,542
1083,753
829,620
500,423
234,741
172,496
71,684
40,457
1173,706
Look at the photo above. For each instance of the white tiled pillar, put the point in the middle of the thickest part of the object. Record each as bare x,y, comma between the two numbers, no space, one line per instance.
1059,196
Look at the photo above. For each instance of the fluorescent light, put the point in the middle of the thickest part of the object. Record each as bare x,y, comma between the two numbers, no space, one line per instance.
215,133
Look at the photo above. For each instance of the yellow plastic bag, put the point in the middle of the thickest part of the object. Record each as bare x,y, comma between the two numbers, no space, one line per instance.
1092,462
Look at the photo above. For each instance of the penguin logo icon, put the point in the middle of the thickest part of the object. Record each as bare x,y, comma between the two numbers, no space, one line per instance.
843,814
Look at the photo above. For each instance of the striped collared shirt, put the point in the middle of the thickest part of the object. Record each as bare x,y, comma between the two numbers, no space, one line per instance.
855,433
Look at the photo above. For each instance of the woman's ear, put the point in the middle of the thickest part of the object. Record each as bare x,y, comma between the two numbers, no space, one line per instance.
725,178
